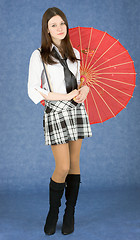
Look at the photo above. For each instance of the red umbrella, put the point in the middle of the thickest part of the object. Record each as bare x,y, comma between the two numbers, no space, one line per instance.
108,70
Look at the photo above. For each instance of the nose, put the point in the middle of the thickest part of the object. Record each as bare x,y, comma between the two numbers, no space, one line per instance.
59,28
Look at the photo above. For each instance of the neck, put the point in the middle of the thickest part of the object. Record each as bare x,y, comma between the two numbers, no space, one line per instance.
57,43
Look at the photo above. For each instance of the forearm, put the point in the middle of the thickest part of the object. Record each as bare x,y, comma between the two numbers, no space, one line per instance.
55,96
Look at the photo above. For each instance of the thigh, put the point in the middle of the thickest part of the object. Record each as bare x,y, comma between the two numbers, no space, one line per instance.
74,150
61,155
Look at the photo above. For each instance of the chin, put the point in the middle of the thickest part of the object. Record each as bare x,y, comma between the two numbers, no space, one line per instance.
62,37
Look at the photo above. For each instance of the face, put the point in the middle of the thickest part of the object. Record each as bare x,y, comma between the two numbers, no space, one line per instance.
57,29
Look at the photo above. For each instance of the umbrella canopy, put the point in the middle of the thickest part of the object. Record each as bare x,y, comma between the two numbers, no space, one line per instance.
108,70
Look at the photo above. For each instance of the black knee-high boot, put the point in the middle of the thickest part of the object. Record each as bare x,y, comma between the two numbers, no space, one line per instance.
71,194
55,194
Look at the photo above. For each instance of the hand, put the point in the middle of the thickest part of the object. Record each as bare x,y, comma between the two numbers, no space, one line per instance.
72,94
83,92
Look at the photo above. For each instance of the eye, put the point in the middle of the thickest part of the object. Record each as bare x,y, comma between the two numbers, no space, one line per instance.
62,23
54,25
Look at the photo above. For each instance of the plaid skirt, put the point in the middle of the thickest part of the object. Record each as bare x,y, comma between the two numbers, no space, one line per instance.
65,121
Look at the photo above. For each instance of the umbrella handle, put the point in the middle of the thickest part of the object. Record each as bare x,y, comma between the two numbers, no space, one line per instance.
82,80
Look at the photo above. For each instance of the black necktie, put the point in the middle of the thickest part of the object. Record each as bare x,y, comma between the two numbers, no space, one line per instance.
70,79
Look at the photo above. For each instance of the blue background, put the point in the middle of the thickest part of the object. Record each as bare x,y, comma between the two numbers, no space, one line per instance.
111,158
108,203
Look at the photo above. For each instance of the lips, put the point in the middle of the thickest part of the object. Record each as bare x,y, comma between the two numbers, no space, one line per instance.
60,33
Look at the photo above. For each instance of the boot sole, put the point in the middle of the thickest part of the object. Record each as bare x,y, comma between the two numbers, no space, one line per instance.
66,233
49,233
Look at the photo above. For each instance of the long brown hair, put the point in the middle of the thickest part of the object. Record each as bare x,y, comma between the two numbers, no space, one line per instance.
46,41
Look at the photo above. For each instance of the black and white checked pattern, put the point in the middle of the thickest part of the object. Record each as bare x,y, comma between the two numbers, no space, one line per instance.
65,121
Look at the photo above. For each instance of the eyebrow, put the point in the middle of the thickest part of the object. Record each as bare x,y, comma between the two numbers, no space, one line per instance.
55,22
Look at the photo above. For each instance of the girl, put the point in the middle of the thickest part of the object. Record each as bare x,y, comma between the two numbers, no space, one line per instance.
65,119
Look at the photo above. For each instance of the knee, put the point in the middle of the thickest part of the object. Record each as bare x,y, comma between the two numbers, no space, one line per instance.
64,170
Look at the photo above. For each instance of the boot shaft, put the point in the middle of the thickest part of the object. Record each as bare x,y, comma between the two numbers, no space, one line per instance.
55,194
71,194
72,189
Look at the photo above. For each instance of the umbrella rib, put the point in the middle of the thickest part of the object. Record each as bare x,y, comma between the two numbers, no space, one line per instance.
103,54
96,106
114,80
89,46
81,46
71,43
96,49
87,107
115,73
120,64
114,88
111,59
110,95
103,100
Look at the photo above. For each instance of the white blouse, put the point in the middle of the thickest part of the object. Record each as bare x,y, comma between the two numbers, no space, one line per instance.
55,73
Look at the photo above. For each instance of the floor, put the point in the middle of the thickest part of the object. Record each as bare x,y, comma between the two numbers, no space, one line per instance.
111,214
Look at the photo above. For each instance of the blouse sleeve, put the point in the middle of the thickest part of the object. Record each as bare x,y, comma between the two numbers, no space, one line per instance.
34,78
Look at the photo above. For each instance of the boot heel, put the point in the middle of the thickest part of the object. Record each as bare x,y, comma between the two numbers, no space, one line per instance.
68,225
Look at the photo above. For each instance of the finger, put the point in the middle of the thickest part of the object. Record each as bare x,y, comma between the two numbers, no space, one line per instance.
79,96
79,100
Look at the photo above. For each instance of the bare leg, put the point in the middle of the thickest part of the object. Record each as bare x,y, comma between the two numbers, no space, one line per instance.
62,162
74,149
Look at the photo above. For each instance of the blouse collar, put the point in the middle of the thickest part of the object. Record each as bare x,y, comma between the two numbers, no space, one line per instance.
56,48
